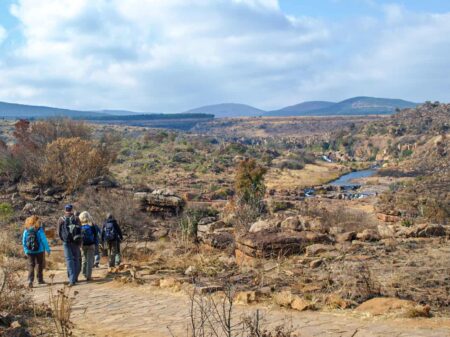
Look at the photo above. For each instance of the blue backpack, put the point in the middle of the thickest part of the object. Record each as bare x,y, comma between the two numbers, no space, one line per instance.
88,235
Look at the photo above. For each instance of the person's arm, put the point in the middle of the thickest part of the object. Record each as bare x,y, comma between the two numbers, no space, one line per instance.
119,231
60,229
95,228
44,241
103,234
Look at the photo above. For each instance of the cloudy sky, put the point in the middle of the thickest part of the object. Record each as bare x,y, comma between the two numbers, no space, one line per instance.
173,55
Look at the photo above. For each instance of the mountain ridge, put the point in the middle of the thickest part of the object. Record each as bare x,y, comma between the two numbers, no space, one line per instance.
360,105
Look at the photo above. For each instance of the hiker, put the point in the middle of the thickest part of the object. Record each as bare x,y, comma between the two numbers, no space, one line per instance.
97,247
71,236
35,245
111,237
90,241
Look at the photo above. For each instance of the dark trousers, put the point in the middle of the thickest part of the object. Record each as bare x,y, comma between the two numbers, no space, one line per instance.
113,251
33,260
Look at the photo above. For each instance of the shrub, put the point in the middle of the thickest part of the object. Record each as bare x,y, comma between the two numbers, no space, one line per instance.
47,131
6,211
249,182
71,162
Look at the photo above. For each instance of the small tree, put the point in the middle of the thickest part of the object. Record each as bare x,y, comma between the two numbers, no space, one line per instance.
250,191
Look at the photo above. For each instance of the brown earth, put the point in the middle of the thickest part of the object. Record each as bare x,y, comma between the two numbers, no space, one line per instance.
108,308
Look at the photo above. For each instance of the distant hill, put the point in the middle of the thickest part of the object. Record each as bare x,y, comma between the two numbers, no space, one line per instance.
13,110
228,110
352,106
299,109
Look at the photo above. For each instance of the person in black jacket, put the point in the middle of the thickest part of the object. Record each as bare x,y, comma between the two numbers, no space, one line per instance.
111,238
69,229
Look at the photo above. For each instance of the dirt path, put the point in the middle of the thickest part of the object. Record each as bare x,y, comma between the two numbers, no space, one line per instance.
106,308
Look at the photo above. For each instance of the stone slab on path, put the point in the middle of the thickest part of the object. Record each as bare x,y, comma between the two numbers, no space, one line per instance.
106,308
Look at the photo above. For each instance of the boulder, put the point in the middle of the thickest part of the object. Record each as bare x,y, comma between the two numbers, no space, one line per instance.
423,231
159,201
219,240
401,308
261,225
273,244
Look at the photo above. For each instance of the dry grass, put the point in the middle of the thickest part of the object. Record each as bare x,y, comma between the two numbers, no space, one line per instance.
311,175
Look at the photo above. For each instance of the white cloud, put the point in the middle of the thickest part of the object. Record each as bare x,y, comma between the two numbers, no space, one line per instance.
171,55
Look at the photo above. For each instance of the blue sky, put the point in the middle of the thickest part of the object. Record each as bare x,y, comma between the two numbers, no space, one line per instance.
172,55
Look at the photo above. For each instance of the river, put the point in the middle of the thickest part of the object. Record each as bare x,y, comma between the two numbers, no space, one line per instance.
346,179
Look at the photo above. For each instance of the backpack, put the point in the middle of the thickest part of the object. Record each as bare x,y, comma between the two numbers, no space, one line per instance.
32,241
110,232
88,235
73,230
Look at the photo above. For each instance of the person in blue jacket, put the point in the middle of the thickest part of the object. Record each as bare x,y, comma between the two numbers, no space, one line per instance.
35,245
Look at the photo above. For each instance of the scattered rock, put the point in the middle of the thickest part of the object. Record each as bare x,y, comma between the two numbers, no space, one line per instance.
160,233
16,332
346,237
207,220
28,208
368,235
283,298
191,270
103,181
245,297
169,283
291,223
219,240
316,263
301,304
210,289
335,301
318,249
261,225
401,308
388,218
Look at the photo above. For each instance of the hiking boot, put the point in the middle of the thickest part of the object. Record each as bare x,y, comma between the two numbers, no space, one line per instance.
89,279
30,285
42,282
70,285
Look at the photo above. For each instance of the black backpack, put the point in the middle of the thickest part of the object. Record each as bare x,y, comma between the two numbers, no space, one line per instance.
110,231
73,230
32,241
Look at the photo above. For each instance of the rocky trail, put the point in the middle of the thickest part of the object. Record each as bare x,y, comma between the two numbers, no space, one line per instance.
107,308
